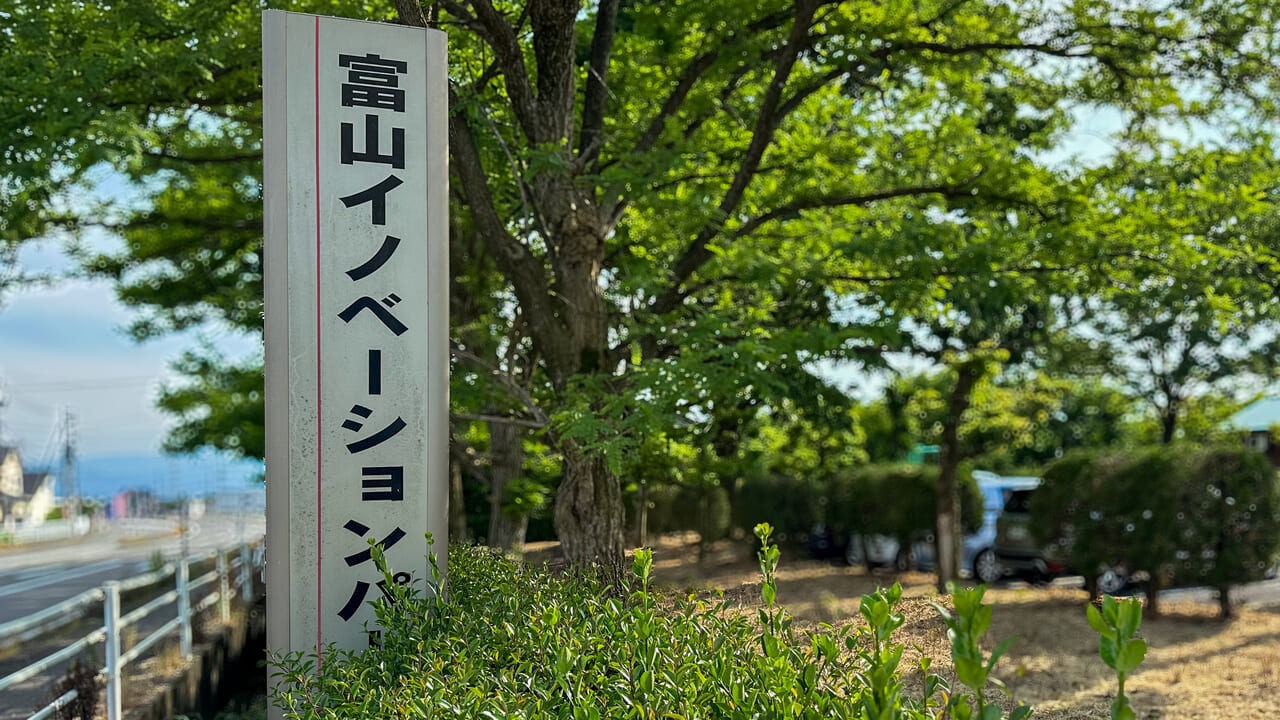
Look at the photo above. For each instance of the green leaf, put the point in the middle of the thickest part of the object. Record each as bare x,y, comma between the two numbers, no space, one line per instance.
1110,611
1109,652
1130,617
1131,656
971,672
1095,620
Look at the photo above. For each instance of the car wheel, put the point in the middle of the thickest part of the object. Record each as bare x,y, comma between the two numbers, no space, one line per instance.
1112,581
853,551
986,568
903,560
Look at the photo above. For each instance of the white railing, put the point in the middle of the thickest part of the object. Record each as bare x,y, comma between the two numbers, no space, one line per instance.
114,623
45,531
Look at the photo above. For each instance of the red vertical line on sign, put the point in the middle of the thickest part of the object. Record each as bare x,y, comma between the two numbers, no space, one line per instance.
319,418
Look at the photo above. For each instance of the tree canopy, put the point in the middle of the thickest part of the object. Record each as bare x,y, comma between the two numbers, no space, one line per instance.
660,209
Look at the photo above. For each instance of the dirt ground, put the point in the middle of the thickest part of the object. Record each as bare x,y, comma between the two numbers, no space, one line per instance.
1197,667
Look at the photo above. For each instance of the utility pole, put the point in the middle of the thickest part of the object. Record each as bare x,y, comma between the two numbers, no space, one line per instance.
69,461
4,401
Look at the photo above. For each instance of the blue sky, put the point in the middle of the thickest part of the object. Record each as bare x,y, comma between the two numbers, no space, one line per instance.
63,347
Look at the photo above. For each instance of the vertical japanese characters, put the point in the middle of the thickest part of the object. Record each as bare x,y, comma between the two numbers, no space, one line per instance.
372,85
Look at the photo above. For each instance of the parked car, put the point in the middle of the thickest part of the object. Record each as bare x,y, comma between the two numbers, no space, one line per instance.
1017,551
882,550
978,556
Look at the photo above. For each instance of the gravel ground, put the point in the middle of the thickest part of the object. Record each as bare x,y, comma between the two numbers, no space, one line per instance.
1197,667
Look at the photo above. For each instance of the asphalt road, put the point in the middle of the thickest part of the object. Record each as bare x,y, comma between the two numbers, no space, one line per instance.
35,578
38,577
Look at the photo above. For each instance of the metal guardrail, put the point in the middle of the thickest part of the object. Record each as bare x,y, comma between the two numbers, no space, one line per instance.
114,623
36,624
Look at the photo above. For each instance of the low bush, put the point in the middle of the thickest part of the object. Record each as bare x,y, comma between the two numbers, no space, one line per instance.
511,642
703,509
1210,517
892,499
792,505
1233,508
1068,516
895,500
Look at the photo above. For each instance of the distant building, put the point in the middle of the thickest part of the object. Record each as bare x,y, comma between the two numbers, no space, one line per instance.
25,498
1257,419
133,503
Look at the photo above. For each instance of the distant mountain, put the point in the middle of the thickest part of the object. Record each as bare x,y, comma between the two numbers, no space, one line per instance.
167,476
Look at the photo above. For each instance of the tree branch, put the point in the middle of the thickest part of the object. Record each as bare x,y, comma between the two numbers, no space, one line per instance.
597,90
961,190
522,422
522,269
761,137
554,24
503,379
501,36
410,12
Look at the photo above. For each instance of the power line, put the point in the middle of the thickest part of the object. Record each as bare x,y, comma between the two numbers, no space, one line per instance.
95,384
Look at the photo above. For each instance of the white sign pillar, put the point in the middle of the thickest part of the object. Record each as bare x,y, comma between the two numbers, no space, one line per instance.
356,275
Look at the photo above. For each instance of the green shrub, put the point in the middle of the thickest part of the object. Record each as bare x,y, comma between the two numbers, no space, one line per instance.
896,500
511,642
1118,509
1231,509
1070,513
703,509
1206,518
792,505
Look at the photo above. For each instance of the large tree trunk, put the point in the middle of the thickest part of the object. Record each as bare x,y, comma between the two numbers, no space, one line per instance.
506,448
948,492
588,513
457,504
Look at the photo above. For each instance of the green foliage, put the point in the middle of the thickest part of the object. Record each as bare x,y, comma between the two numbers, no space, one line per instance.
1210,517
1066,512
1017,420
762,187
704,510
965,629
793,505
1120,650
513,642
1176,330
896,500
1232,505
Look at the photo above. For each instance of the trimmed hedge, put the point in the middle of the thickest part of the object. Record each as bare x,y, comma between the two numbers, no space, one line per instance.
1208,517
704,510
895,500
791,505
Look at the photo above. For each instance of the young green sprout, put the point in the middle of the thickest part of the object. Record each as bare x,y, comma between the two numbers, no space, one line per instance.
1120,650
